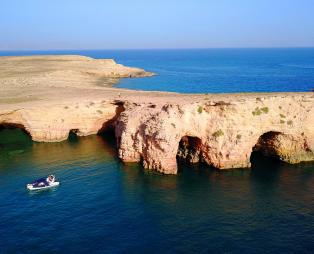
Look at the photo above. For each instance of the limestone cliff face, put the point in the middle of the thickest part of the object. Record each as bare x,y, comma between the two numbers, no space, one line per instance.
54,123
51,96
225,132
220,133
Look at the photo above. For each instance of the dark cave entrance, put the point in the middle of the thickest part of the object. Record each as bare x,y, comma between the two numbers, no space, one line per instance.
108,129
189,150
266,149
73,137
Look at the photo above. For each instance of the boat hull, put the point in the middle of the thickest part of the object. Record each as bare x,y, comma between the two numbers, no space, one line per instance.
31,187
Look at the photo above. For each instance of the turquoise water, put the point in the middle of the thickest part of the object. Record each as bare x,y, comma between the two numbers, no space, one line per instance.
212,70
105,206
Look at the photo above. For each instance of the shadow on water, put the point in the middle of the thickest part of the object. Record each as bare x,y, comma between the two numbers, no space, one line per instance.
108,137
14,138
19,152
233,206
266,168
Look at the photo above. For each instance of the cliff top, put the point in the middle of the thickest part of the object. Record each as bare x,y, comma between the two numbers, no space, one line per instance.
48,79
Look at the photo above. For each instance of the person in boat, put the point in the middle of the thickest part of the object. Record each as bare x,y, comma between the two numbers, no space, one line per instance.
50,179
46,181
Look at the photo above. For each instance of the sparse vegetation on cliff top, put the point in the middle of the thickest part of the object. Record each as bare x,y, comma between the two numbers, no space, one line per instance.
218,133
258,111
200,109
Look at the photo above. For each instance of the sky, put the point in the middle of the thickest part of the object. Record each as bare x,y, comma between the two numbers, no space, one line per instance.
147,24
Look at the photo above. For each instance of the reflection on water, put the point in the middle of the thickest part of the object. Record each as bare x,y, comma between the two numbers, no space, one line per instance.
116,207
46,155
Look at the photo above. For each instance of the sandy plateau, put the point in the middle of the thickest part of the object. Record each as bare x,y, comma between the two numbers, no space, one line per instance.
51,96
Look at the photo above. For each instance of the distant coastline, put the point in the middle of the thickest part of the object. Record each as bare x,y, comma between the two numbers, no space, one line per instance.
213,70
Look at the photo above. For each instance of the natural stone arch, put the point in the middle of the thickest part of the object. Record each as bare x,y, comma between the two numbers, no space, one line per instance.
190,150
285,147
266,145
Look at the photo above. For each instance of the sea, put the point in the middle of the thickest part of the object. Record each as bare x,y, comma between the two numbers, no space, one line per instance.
105,206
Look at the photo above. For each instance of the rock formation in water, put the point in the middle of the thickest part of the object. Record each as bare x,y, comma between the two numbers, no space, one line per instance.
219,133
159,129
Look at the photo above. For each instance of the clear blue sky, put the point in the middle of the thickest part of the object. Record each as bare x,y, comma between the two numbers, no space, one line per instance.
116,24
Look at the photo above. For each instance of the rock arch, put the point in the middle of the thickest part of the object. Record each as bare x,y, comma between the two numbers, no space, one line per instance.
267,145
285,147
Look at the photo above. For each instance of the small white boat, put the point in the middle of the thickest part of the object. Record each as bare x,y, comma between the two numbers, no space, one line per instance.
43,183
31,187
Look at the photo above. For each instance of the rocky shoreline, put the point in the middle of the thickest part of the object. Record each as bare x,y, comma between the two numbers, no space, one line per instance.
51,96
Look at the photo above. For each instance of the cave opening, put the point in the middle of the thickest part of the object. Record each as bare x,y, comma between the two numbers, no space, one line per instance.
265,151
108,135
73,137
108,130
189,150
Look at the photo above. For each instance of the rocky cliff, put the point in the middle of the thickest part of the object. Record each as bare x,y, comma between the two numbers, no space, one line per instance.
221,133
158,129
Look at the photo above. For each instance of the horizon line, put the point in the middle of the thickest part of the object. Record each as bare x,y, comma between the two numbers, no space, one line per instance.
183,48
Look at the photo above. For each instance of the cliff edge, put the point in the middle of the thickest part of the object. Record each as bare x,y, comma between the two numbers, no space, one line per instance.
51,96
220,131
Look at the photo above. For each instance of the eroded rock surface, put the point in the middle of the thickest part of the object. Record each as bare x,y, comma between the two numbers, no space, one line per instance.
223,133
221,130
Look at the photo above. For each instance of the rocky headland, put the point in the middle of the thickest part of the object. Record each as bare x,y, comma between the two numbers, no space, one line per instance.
52,96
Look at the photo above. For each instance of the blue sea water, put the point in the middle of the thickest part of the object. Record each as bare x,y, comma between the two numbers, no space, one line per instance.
212,70
105,206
